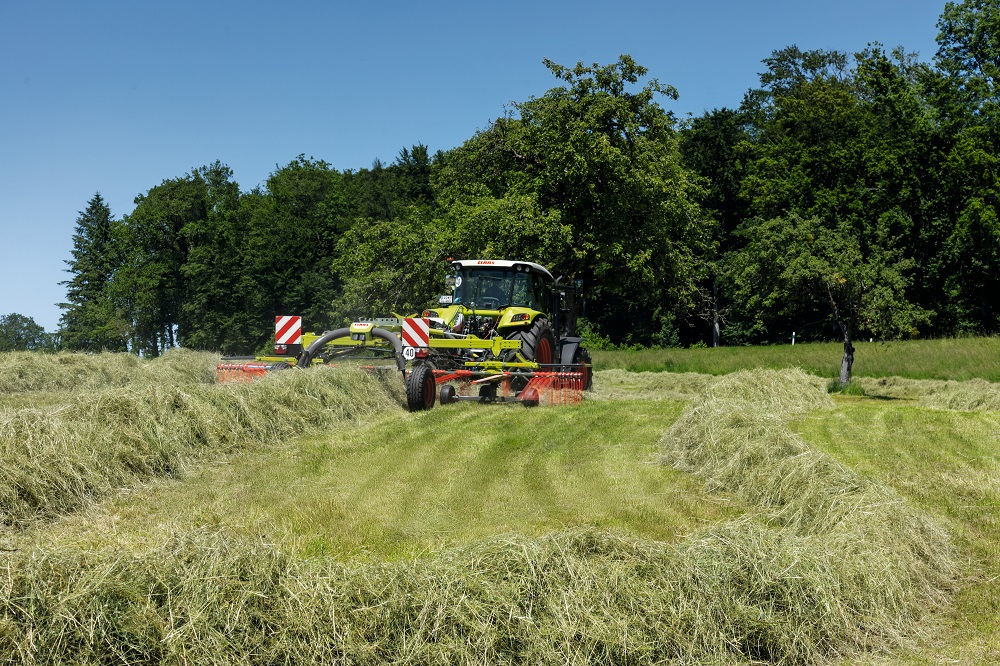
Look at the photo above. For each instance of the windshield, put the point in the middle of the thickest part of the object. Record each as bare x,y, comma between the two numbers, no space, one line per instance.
494,288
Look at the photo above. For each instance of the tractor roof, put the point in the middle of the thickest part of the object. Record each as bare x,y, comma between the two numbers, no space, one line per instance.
502,263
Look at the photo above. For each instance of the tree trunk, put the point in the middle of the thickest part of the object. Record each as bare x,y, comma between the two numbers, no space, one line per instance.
848,361
845,328
715,311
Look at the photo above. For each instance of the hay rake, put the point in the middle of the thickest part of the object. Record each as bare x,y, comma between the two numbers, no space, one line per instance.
548,387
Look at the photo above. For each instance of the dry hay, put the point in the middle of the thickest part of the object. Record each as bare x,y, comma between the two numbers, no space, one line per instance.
625,385
826,564
969,395
67,371
879,552
53,461
735,594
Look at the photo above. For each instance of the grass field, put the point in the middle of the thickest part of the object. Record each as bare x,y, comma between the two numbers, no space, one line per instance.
946,359
394,487
309,519
947,463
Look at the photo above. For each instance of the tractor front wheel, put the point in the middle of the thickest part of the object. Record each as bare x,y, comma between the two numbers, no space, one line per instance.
420,388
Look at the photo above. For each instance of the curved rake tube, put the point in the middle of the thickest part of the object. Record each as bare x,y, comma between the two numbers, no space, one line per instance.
310,352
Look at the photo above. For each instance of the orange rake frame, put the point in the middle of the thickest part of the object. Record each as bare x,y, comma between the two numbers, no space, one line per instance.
552,388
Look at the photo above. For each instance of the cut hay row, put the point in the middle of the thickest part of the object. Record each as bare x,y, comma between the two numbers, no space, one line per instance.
828,528
737,594
626,385
53,461
970,395
32,371
830,564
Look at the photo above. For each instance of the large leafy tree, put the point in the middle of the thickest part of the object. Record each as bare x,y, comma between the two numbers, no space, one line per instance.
91,321
967,98
602,153
149,287
220,307
21,333
844,147
792,265
715,146
388,266
969,55
293,238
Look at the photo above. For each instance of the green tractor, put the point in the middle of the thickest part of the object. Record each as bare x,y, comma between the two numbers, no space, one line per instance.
502,328
515,300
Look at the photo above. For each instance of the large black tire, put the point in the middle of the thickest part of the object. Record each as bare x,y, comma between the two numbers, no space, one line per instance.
420,388
582,357
538,342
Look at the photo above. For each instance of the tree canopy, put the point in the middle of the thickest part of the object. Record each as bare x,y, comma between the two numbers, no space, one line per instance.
848,196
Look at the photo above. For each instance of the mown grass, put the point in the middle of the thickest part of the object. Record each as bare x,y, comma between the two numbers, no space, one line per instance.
888,560
332,527
377,543
33,372
405,485
56,459
948,464
953,358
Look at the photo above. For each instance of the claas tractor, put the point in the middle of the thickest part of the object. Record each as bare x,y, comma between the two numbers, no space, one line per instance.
499,333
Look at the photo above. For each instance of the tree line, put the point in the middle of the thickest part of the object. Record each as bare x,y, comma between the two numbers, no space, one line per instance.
847,196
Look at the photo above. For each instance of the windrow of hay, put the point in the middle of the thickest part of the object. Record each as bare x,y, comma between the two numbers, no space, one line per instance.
34,371
737,594
54,461
830,565
970,395
885,560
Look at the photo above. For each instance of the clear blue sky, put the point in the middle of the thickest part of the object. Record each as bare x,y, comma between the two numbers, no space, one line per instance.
117,96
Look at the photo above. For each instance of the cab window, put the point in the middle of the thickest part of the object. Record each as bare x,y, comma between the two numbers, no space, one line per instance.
541,302
523,294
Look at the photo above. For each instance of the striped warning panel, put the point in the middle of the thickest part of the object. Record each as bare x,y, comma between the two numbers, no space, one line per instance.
288,330
416,332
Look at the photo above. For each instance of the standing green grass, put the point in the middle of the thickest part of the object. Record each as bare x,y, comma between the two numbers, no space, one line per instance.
952,358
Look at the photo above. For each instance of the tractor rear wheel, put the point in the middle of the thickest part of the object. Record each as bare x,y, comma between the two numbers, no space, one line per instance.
420,387
538,343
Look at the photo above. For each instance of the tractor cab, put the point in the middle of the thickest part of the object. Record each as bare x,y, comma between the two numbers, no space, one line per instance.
486,284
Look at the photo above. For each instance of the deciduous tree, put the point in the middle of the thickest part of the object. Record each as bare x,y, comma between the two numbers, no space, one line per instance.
792,265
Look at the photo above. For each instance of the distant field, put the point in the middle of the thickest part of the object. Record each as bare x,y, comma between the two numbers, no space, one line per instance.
150,516
953,358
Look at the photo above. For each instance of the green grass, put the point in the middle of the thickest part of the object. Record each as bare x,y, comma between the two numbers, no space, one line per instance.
309,519
948,464
407,484
954,358
58,458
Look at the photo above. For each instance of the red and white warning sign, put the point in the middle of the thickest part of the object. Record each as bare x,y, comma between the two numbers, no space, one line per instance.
288,330
416,332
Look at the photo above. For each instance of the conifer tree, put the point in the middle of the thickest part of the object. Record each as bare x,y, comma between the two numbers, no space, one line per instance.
90,321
